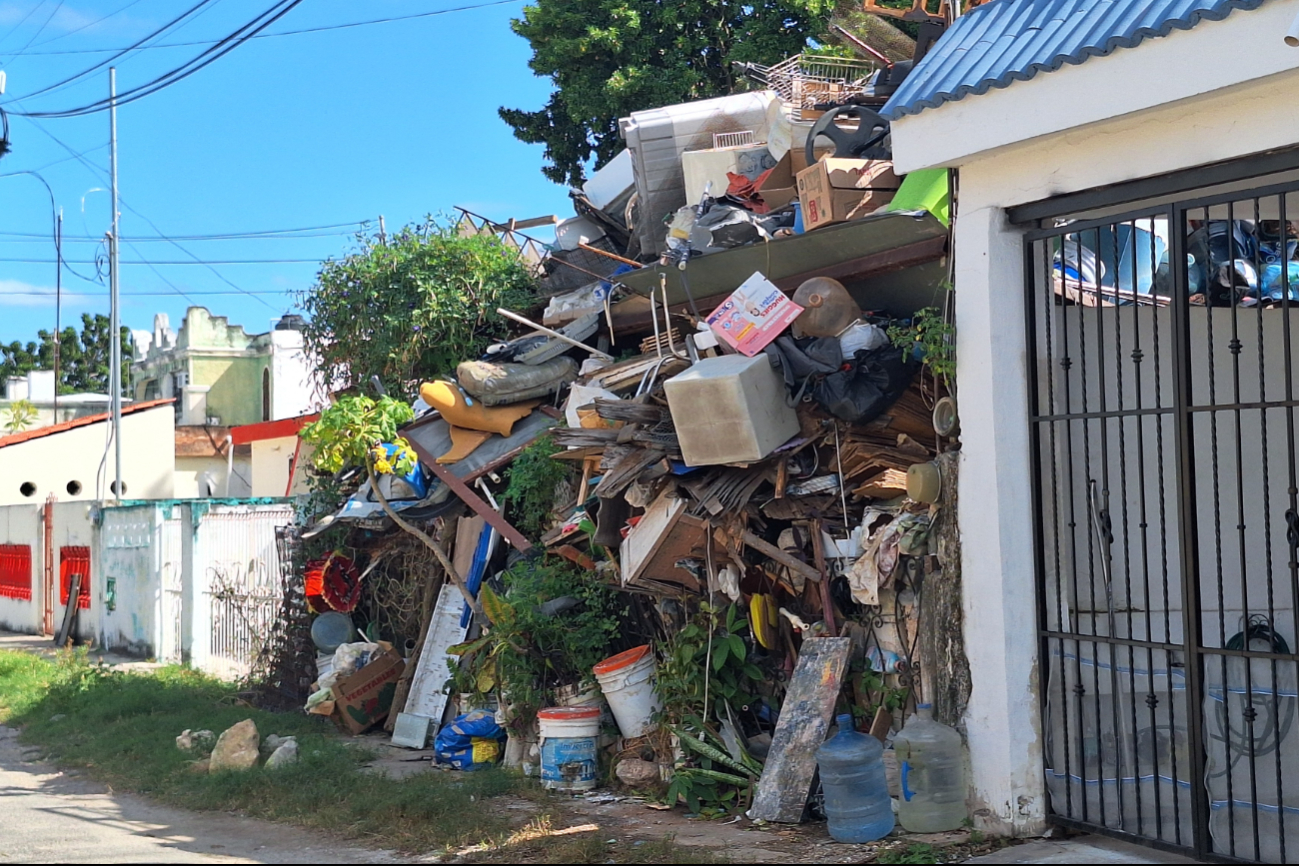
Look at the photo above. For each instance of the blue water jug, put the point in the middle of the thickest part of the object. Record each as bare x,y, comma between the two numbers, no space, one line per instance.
856,793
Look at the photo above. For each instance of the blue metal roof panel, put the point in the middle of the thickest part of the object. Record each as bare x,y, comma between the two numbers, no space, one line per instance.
1013,40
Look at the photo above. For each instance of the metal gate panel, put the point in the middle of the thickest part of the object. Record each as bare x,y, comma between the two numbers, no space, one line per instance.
1162,407
172,577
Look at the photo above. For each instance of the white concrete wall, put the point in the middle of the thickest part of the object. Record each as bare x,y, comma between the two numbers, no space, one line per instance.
53,462
189,470
1102,122
21,524
270,466
294,389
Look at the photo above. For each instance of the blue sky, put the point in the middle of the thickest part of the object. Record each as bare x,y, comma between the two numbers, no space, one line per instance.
320,129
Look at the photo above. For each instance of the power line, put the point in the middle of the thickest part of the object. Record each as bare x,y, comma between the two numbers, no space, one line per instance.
83,73
99,20
305,30
41,29
195,64
66,295
262,234
12,30
94,170
170,262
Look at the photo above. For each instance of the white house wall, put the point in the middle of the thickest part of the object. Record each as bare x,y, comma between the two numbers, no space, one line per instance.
55,461
21,524
1111,128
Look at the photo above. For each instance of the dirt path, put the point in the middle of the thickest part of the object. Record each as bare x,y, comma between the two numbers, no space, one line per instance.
50,816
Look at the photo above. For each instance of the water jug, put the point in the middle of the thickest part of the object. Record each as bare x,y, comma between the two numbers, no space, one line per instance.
856,793
932,769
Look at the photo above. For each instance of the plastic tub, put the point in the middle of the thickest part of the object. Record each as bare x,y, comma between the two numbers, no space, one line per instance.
627,681
568,747
331,630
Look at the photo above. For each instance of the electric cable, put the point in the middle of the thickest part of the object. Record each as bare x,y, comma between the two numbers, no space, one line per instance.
259,234
41,29
100,65
95,170
54,216
75,30
204,59
12,30
303,31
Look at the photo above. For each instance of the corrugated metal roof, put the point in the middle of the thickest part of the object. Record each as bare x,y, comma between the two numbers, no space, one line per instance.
1013,40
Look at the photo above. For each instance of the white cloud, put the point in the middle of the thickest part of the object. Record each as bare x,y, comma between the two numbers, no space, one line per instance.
64,20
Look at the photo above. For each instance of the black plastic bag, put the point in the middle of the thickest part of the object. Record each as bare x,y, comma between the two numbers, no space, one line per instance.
863,388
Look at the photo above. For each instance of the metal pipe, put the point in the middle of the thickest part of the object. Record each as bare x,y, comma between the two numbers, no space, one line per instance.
230,463
563,338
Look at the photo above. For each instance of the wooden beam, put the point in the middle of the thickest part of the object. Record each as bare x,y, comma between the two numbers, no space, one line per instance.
472,499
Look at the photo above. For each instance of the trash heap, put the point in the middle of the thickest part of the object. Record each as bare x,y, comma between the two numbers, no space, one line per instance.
690,514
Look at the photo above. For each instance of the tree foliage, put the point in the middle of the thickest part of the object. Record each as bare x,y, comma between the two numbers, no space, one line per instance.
410,309
608,58
84,356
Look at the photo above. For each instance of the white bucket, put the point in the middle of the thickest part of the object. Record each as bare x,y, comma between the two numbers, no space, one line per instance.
627,681
568,747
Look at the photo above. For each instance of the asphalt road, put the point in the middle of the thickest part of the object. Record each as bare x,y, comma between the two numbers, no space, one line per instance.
48,816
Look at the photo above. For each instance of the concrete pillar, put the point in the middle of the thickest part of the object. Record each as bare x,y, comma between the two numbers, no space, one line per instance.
193,407
1003,719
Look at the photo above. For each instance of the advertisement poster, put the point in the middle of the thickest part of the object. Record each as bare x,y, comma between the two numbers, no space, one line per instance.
755,314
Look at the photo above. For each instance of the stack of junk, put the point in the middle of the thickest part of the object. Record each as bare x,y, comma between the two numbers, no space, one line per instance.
753,423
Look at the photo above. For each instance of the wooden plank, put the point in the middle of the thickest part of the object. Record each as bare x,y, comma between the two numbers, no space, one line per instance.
473,500
70,612
781,794
773,552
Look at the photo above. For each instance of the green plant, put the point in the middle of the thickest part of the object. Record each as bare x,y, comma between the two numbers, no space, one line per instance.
22,414
410,307
932,336
706,666
529,497
708,779
916,852
871,686
528,652
349,431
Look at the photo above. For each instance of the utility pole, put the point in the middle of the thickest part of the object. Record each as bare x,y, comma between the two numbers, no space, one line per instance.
383,234
115,326
58,305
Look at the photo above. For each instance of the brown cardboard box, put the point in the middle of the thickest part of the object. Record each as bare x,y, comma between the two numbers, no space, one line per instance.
364,699
835,190
779,187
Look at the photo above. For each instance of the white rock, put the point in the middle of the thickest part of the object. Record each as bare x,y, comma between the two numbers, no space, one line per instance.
287,753
273,742
236,748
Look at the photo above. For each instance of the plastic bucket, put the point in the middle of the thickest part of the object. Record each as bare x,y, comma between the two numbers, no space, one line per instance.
568,747
627,681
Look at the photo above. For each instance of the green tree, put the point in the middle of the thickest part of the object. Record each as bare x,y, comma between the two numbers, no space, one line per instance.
84,356
412,308
608,58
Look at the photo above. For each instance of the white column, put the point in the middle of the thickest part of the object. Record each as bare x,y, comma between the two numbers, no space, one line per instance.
1003,720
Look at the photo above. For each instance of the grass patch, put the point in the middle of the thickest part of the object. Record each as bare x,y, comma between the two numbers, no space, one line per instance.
122,727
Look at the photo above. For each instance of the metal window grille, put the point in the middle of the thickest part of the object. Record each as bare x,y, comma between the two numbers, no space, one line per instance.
16,571
1166,489
74,560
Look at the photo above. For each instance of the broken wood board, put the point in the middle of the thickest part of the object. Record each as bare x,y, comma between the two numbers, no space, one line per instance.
889,484
426,696
468,531
781,793
664,535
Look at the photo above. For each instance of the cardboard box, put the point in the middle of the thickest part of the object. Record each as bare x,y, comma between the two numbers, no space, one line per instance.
753,315
836,190
363,700
780,186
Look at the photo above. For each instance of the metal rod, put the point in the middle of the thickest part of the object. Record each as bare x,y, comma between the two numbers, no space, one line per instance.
114,284
563,338
58,304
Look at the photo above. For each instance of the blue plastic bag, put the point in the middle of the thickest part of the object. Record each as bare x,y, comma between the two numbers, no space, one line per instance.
470,742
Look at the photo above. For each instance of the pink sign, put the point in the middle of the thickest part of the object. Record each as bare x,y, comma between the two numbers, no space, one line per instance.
755,314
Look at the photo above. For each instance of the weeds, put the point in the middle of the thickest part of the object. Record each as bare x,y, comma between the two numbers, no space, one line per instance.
917,852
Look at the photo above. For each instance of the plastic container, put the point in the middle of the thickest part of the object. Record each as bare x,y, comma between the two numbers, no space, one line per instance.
627,681
857,801
730,409
932,764
330,630
568,747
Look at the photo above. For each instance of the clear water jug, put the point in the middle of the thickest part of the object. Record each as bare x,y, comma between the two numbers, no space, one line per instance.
932,770
856,794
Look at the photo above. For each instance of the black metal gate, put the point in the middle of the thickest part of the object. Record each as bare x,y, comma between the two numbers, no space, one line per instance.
1163,417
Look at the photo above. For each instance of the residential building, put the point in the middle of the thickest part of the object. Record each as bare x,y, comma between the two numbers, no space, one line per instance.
1127,180
74,460
279,460
219,374
38,388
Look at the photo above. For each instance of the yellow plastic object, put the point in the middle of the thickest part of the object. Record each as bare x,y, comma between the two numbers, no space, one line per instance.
463,443
450,401
762,619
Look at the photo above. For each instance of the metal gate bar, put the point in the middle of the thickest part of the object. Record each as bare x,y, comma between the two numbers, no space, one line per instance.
1168,639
